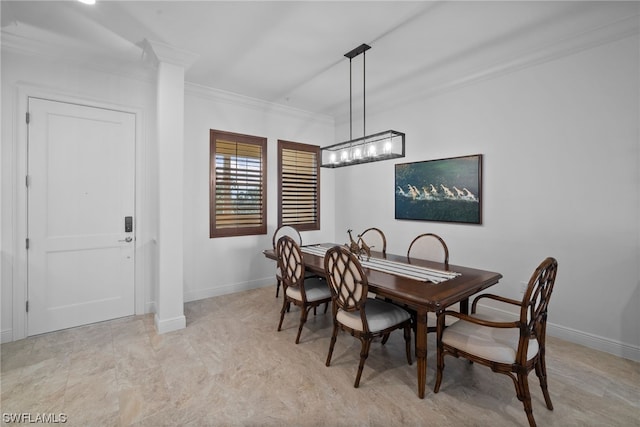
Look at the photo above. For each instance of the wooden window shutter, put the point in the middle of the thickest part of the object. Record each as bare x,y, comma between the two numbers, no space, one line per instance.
238,184
299,185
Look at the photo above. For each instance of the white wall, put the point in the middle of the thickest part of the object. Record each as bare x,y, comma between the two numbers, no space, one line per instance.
25,74
560,178
211,266
223,265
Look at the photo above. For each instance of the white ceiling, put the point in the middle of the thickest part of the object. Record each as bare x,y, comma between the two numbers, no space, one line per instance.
291,52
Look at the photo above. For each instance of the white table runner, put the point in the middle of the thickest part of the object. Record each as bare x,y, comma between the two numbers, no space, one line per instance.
415,272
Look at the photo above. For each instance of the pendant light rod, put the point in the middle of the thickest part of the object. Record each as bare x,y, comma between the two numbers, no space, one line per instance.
352,54
350,101
364,93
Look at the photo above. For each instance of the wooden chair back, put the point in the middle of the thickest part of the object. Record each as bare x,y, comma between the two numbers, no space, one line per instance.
290,263
535,303
430,247
347,281
374,239
286,230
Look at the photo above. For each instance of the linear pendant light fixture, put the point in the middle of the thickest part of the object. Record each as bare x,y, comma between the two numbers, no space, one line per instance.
369,148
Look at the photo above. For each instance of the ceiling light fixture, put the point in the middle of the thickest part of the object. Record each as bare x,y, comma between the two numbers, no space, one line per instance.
369,148
87,1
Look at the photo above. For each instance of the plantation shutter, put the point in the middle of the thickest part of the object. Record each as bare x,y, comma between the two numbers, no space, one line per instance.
299,185
238,194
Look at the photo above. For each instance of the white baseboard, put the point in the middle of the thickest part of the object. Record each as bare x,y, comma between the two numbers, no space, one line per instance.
170,325
6,336
150,307
595,342
617,348
228,289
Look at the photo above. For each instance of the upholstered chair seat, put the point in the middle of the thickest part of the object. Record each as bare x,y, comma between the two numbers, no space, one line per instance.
497,344
380,315
315,288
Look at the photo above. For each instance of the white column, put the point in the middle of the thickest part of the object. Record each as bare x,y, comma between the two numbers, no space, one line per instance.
171,64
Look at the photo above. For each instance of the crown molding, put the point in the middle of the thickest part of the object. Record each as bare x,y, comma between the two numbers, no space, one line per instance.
619,30
162,52
625,28
132,67
226,97
23,45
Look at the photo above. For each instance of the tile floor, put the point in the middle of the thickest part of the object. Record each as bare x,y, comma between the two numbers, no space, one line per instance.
230,367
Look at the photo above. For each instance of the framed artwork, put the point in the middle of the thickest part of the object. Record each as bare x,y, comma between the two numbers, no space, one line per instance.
445,190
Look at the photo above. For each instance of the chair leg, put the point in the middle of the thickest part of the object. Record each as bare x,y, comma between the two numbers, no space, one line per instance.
277,288
407,340
285,308
385,338
541,372
525,396
439,368
364,353
304,312
334,335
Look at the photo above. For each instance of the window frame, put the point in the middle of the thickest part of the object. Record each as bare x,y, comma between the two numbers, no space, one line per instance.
298,146
214,231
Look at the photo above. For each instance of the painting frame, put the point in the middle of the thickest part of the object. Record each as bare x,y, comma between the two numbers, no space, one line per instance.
440,190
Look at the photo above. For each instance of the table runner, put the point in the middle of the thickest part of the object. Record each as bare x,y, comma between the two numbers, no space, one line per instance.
415,272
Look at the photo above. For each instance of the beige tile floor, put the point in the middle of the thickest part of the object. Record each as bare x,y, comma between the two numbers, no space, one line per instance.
230,367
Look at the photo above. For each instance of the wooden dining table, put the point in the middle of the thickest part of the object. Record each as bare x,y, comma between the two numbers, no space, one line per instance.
418,294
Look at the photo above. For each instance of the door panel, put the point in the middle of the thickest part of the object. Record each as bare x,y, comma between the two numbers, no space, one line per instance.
81,187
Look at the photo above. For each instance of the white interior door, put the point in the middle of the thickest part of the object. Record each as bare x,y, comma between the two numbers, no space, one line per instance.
81,167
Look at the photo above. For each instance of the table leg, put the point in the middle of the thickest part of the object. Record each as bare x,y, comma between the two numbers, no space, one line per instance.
421,351
464,306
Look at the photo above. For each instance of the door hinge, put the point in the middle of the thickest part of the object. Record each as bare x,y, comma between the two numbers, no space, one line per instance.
27,306
27,243
28,117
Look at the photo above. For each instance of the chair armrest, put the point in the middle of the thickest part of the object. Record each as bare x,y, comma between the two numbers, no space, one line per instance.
493,297
477,321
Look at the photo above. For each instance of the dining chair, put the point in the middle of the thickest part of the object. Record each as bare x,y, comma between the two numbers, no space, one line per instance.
305,292
375,239
429,246
284,230
362,317
510,347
